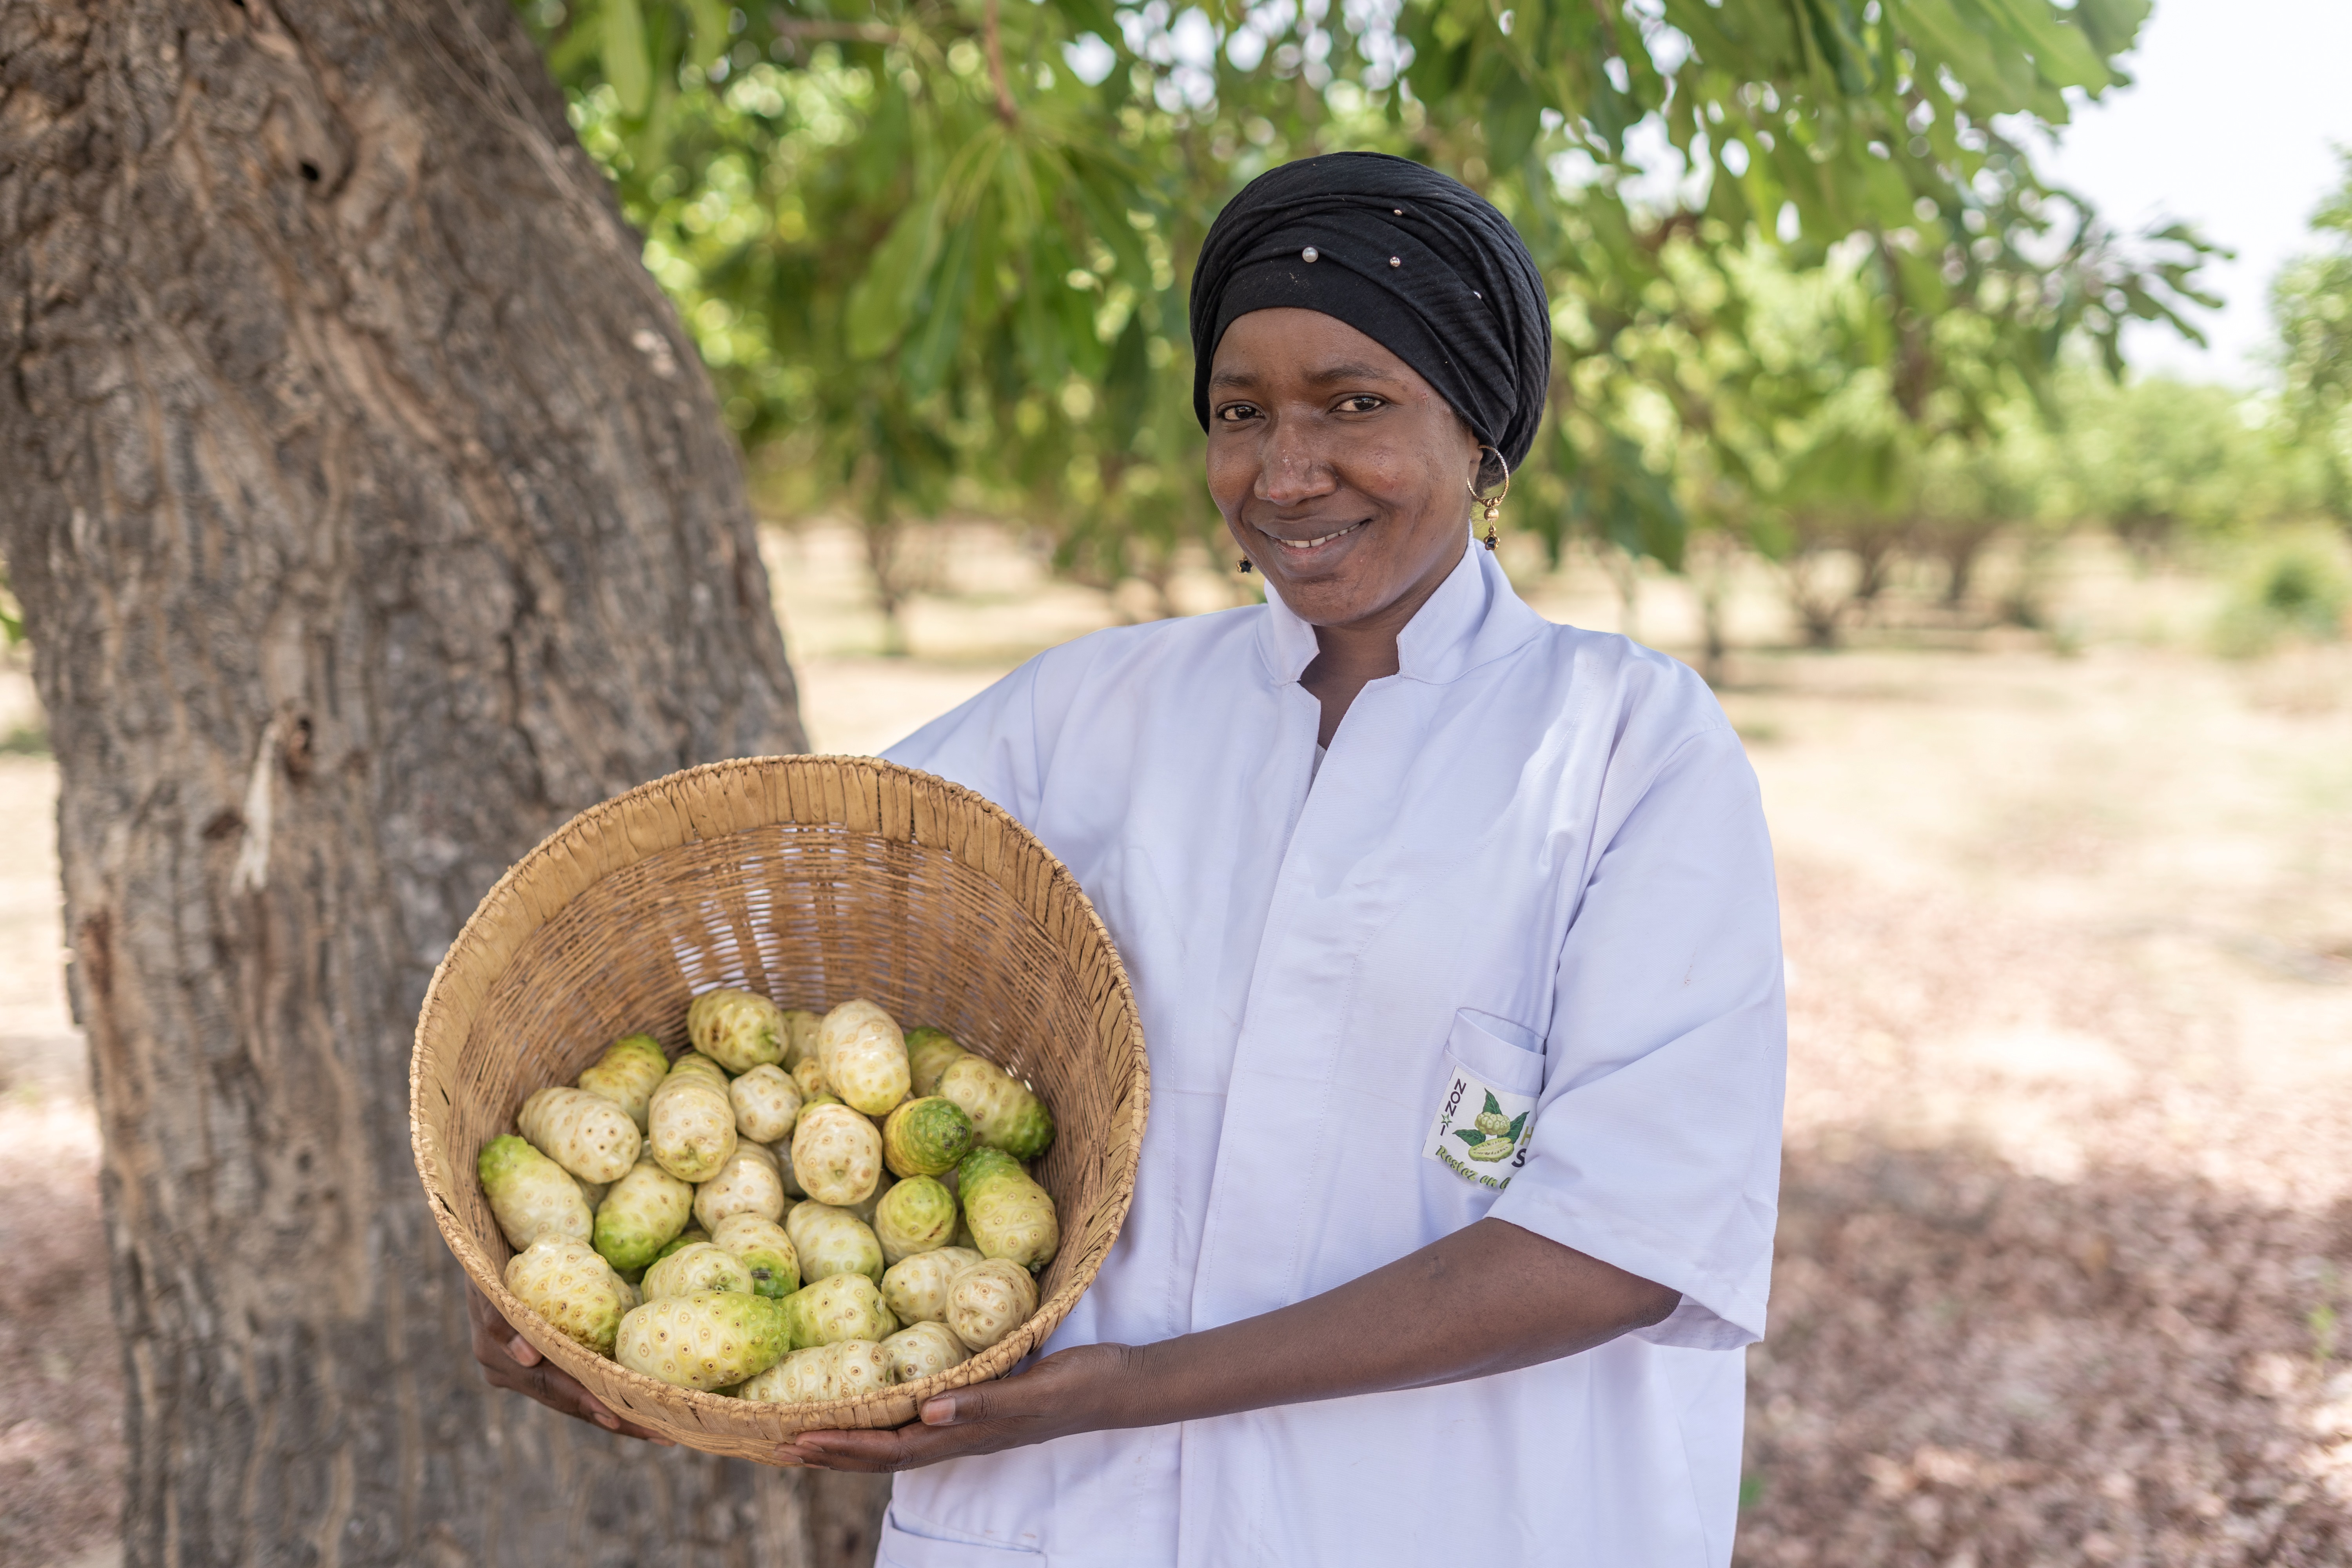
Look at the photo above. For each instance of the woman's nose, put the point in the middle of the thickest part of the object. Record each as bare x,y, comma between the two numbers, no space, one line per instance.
1292,469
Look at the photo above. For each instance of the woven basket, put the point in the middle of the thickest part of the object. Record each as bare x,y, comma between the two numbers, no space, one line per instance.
812,880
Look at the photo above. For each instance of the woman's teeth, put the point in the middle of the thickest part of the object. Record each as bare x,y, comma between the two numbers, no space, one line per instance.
1321,539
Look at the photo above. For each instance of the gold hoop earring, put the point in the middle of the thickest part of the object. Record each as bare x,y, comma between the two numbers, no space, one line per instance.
1493,503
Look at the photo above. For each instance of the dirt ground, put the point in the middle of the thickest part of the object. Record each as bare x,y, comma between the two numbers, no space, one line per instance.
2067,1210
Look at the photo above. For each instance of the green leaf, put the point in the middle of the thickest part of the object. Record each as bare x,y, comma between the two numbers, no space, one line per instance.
1517,1122
1470,1135
1127,385
1492,1108
938,333
882,302
1513,117
628,65
710,29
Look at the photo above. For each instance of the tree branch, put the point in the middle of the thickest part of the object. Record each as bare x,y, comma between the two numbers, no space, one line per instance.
821,30
1004,109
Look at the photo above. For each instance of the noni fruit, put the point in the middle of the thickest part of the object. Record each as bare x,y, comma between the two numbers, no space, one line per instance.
860,1367
917,1215
836,1155
585,1133
809,1076
839,1307
691,1122
681,1241
572,1288
989,1300
626,1073
642,1214
737,1029
530,1196
747,1183
1003,1113
769,1253
803,1377
705,1265
916,1288
1011,1216
707,1340
925,1137
783,1150
929,1052
864,1207
766,1100
833,1241
801,1027
923,1350
864,1057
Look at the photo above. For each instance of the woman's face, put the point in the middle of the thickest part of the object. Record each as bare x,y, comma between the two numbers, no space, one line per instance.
1341,473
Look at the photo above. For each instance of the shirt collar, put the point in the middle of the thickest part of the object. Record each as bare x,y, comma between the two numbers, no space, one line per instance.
1473,618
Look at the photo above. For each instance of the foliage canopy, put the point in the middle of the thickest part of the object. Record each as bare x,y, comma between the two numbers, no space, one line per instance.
936,251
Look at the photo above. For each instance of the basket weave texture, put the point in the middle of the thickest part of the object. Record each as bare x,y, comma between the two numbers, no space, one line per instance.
812,880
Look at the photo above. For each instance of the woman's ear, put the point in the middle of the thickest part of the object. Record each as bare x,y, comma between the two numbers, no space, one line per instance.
1491,473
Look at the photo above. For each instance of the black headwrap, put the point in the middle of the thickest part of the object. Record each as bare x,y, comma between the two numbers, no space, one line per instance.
1418,262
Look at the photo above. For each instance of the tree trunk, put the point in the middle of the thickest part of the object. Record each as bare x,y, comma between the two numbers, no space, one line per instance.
371,515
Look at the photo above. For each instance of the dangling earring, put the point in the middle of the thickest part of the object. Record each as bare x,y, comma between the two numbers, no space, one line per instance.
1493,503
1242,565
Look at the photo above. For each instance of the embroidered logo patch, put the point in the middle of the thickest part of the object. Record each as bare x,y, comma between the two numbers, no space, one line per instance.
1481,1133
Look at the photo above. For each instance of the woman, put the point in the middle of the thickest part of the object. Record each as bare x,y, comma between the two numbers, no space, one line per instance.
1456,941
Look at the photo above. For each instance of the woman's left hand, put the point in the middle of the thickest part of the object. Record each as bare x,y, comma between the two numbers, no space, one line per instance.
1072,1391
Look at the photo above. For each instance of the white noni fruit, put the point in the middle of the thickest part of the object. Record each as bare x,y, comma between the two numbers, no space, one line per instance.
989,1300
585,1133
569,1285
916,1288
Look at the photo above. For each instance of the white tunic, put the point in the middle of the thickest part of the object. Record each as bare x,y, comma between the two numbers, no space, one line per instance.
1532,864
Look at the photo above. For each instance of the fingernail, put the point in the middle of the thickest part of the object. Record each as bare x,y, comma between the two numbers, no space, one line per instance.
663,1442
940,1412
523,1351
605,1419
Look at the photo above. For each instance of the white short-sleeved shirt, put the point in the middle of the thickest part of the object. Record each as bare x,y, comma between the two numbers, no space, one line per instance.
1532,866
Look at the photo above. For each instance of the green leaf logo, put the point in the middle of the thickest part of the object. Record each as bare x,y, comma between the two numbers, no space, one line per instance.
1470,1135
1517,1122
1491,1106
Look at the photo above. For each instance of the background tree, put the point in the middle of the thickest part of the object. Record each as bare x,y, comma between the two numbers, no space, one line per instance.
2312,304
371,515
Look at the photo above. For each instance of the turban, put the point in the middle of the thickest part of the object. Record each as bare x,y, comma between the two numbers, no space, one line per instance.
1414,260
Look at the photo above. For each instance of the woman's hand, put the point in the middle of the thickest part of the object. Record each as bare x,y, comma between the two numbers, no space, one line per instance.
1081,1390
510,1361
1401,1326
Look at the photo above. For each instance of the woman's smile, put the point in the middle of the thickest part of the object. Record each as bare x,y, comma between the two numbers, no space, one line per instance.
1302,549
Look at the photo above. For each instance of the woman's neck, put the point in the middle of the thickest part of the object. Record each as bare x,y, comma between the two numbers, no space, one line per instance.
1350,657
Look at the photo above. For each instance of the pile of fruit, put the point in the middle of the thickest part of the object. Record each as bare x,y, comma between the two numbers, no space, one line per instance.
648,1206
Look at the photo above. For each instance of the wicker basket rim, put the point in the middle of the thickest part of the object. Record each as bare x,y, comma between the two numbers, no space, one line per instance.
444,1015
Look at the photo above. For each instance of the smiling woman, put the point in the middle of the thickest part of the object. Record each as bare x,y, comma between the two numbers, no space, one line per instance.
1454,940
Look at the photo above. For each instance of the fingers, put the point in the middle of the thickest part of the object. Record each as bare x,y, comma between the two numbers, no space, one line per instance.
510,1362
980,1419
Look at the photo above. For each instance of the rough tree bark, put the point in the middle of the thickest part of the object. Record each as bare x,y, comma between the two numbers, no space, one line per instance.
371,515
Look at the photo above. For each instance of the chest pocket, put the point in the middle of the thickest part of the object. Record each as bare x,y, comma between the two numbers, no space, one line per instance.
1485,1112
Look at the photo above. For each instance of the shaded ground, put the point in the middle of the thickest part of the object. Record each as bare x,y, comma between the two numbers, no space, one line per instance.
2067,1226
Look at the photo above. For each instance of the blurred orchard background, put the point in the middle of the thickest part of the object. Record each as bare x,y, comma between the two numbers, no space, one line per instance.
1964,388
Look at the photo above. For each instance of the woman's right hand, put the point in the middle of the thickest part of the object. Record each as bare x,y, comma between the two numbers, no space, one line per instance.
510,1361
